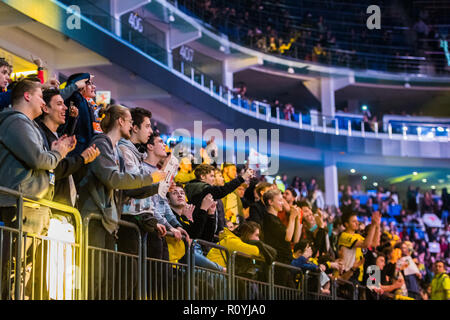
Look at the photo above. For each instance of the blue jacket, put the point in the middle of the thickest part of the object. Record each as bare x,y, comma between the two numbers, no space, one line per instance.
302,263
81,126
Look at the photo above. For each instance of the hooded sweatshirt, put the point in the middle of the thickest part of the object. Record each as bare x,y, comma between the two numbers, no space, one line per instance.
133,161
25,158
105,176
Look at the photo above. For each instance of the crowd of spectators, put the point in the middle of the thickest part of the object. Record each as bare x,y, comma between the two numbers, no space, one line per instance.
58,144
311,31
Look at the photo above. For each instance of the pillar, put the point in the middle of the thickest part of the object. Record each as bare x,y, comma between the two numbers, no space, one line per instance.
331,180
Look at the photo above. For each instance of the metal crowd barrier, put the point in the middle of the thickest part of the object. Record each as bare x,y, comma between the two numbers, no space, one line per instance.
110,273
206,283
162,279
38,267
285,289
249,286
55,267
313,287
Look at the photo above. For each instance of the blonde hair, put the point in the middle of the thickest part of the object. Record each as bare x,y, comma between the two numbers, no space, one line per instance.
109,116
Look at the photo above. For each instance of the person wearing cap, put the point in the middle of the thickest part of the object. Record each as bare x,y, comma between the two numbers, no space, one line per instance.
87,124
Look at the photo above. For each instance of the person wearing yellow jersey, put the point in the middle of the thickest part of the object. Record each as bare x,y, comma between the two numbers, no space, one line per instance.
350,244
440,285
230,240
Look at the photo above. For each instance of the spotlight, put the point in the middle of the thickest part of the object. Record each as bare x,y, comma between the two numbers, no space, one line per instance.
424,180
415,173
375,184
364,177
290,70
352,170
364,107
433,187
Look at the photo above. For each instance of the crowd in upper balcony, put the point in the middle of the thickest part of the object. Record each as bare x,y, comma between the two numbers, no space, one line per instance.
311,31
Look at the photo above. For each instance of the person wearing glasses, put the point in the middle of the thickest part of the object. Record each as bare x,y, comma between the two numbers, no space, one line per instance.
87,123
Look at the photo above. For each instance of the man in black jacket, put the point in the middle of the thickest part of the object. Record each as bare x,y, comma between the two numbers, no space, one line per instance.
87,124
54,115
197,189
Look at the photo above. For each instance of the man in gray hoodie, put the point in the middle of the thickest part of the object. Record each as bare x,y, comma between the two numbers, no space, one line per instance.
27,161
142,211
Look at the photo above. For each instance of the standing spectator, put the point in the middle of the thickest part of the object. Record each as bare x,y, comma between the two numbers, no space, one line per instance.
220,210
427,204
317,198
257,209
5,73
231,202
276,235
105,176
88,123
288,111
445,209
156,154
137,206
53,115
183,212
27,166
440,285
289,197
411,272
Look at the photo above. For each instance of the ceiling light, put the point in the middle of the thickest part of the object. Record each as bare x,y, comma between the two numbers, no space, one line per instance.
375,184
364,177
352,170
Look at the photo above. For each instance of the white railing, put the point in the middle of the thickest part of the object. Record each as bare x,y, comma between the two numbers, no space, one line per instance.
317,122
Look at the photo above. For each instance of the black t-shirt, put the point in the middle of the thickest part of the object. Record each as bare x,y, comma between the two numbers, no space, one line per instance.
274,233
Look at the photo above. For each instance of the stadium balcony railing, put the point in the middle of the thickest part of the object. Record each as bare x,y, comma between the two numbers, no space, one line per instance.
74,269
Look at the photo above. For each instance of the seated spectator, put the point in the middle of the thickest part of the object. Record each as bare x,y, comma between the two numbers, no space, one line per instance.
27,166
156,155
183,211
233,240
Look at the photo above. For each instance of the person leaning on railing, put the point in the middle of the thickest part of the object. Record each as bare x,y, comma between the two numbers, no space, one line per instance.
27,161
